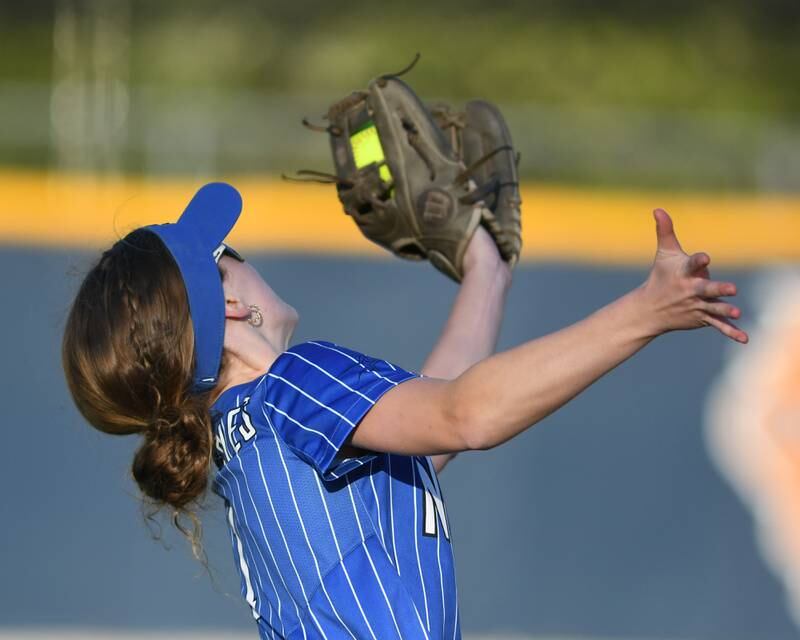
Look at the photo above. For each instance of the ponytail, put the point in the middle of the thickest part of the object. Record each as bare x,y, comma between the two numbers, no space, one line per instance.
172,464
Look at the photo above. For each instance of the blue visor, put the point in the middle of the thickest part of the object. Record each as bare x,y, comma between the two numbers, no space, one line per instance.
196,243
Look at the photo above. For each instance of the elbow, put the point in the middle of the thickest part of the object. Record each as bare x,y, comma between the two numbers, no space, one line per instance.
478,439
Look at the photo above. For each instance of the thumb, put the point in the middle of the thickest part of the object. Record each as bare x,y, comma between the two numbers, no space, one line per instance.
665,234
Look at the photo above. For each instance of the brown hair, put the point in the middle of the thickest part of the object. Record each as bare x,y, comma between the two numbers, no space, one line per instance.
128,356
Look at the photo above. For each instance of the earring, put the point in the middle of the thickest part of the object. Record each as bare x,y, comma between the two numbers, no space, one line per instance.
256,318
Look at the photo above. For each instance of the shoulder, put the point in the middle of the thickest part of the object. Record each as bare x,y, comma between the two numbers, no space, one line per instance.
317,365
316,353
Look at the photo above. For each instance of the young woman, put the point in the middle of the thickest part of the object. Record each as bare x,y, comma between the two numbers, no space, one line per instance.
326,459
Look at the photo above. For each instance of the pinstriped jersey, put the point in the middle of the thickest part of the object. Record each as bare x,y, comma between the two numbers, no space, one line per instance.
329,546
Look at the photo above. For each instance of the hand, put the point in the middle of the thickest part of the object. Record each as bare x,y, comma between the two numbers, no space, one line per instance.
679,291
482,254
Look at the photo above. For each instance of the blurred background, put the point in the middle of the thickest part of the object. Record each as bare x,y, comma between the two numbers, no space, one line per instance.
662,503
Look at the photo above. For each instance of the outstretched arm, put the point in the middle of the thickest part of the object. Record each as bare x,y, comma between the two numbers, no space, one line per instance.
504,394
470,333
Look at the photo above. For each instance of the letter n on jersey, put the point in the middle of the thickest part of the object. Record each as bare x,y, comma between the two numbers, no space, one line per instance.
433,504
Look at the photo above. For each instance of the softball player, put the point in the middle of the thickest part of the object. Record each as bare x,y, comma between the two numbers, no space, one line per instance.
326,459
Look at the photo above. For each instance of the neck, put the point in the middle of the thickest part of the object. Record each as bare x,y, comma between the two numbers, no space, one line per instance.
242,366
237,372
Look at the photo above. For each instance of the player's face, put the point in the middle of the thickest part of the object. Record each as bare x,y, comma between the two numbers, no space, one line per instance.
241,281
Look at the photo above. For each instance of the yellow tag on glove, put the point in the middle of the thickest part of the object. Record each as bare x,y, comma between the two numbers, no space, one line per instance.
367,150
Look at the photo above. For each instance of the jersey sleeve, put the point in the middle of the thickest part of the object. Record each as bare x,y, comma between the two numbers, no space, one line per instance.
317,394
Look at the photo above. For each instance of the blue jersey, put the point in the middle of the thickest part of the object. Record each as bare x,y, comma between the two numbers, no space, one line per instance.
329,546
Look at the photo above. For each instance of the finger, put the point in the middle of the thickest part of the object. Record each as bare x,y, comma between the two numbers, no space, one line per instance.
697,263
726,328
665,232
714,288
720,309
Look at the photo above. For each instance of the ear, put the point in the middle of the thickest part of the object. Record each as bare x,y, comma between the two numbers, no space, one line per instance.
235,309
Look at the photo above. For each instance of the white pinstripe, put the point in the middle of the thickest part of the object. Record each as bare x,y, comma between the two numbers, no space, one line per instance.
271,628
256,570
305,535
283,537
341,558
302,426
360,364
331,376
416,543
312,398
249,595
391,516
455,584
432,473
377,502
266,541
441,579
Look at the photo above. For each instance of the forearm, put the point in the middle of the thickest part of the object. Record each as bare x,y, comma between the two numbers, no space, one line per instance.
504,394
470,333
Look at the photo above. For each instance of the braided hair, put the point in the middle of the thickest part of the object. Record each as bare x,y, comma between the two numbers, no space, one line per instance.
128,357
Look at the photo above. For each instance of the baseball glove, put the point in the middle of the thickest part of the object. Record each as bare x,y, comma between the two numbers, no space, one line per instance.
407,188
